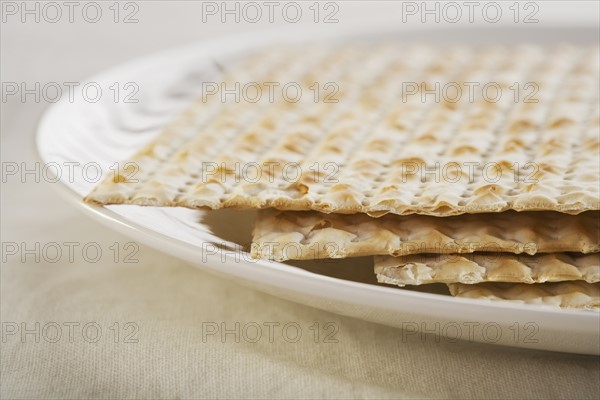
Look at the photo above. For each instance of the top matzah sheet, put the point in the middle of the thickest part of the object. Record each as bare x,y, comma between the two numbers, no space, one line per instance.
300,235
379,149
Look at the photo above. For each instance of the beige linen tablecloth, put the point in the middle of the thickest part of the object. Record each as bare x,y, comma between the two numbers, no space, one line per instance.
77,329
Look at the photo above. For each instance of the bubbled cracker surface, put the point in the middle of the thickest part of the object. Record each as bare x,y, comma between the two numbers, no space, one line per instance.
359,154
493,267
286,235
576,294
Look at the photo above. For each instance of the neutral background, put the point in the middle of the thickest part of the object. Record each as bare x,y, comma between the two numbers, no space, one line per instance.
168,301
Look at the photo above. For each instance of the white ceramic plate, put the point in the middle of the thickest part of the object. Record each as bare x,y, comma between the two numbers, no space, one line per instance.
102,133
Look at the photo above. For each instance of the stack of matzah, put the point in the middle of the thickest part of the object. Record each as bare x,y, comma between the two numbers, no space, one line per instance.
474,167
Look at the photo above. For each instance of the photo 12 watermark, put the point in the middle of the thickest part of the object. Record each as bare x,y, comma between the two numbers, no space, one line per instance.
272,92
267,171
269,332
469,92
54,12
485,332
52,92
252,12
67,171
70,252
454,12
70,332
488,253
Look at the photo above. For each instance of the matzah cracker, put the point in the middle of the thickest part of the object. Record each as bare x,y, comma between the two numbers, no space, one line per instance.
380,150
576,294
487,267
300,235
